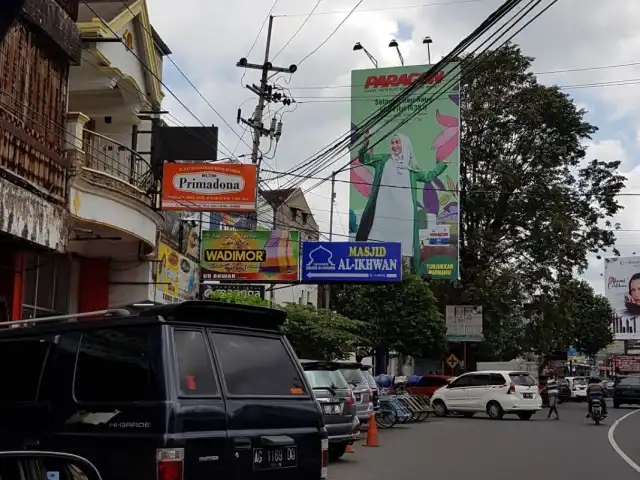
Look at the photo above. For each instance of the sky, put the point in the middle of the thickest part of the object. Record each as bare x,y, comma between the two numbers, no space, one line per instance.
595,45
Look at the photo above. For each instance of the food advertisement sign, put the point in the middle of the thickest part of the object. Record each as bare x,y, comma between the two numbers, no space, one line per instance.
177,277
622,289
218,187
270,256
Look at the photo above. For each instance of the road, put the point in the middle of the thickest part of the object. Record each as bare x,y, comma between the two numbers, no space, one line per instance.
570,448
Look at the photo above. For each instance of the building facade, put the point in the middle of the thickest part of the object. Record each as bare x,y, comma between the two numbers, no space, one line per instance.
35,58
114,96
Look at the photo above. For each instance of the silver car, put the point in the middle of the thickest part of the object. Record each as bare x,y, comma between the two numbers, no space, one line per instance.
361,390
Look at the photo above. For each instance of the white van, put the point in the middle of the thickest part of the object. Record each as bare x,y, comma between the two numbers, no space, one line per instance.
578,387
495,392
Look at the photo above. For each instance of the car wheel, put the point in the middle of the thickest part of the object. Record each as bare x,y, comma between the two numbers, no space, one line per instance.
494,410
525,415
440,408
468,414
337,450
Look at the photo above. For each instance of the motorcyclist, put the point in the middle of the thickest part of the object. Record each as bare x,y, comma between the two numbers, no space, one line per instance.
595,390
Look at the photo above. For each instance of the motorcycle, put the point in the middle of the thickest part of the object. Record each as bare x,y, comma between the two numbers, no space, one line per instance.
596,410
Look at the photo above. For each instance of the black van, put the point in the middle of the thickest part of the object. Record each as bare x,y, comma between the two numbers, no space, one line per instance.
185,391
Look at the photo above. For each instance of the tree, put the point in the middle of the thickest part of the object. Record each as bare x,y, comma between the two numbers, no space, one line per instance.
314,333
533,207
592,316
400,317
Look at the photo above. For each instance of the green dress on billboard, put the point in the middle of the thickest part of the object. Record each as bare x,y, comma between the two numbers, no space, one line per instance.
390,214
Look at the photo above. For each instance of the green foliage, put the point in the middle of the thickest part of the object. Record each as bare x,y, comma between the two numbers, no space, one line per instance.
400,317
314,333
322,335
533,206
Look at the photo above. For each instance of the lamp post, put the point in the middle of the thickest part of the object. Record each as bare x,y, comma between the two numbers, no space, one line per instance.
427,41
394,44
358,46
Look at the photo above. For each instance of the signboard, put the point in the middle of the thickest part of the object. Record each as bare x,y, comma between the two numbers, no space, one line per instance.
269,256
622,289
628,364
452,361
324,262
177,277
405,181
464,323
219,187
206,291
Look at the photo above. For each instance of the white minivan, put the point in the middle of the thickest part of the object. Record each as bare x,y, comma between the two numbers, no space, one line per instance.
495,392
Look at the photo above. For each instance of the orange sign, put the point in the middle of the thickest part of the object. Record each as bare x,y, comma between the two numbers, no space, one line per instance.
211,187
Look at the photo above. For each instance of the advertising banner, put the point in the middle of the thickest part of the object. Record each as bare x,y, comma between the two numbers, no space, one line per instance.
206,291
622,289
270,256
464,323
218,187
324,262
405,177
176,277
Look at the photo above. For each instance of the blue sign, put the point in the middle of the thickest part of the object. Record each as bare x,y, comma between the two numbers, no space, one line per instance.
354,262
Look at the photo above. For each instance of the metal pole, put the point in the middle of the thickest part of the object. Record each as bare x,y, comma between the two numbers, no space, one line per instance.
257,132
327,288
429,53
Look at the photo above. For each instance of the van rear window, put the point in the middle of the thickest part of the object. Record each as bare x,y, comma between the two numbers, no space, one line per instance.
194,364
524,379
257,366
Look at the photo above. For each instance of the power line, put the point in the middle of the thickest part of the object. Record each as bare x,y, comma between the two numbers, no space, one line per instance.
264,22
380,9
295,34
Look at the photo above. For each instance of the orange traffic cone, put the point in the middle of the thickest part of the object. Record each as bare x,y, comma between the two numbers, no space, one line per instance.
372,433
349,448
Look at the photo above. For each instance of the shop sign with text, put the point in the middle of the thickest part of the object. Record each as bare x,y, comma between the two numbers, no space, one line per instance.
177,277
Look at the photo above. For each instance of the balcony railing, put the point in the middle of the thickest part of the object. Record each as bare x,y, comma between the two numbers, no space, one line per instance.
116,160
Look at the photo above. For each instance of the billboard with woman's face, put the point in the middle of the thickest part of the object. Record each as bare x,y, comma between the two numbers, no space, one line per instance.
622,289
405,171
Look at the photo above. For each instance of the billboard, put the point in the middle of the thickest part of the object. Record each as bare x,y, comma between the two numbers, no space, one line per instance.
218,187
464,323
270,256
405,177
324,262
622,289
206,291
177,278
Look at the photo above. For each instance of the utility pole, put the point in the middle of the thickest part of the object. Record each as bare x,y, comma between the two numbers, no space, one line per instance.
327,287
265,94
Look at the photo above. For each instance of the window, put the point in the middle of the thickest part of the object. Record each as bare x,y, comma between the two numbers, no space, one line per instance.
480,380
630,381
195,369
523,379
259,366
354,375
326,378
115,366
22,362
46,285
496,379
460,382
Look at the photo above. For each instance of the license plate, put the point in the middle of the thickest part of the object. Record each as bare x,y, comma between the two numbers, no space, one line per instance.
527,395
333,409
275,458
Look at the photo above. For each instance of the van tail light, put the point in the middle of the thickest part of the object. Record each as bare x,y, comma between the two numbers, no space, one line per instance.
170,463
512,388
325,458
351,400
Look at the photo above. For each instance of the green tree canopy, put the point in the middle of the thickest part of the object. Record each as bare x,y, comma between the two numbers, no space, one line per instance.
533,205
401,317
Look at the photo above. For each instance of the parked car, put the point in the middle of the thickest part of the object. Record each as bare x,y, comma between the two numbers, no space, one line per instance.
564,390
495,392
428,384
32,465
200,389
626,391
578,386
336,401
375,390
362,392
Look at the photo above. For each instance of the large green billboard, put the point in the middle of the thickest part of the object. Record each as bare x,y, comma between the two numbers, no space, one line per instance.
405,177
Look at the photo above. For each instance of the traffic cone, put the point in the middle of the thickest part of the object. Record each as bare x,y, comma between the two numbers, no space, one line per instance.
372,433
349,449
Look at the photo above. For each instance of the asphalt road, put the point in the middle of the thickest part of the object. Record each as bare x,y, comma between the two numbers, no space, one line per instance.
571,448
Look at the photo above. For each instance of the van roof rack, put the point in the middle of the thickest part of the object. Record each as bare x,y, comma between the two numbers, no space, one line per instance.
72,317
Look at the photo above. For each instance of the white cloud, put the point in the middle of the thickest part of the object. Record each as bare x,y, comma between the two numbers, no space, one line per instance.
208,39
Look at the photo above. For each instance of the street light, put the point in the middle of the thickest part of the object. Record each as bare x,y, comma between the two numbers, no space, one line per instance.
427,41
394,44
358,46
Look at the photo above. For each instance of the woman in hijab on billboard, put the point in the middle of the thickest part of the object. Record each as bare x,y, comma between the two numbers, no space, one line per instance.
391,209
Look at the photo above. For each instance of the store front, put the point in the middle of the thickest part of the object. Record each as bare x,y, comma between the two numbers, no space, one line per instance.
45,285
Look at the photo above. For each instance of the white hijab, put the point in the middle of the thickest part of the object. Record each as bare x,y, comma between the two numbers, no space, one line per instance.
406,158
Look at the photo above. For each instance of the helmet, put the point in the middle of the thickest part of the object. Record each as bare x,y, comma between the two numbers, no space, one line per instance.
594,380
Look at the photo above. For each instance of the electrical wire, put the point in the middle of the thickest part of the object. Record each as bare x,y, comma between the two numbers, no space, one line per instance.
295,34
380,9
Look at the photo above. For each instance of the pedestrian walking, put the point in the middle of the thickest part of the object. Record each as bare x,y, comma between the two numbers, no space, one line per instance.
552,391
